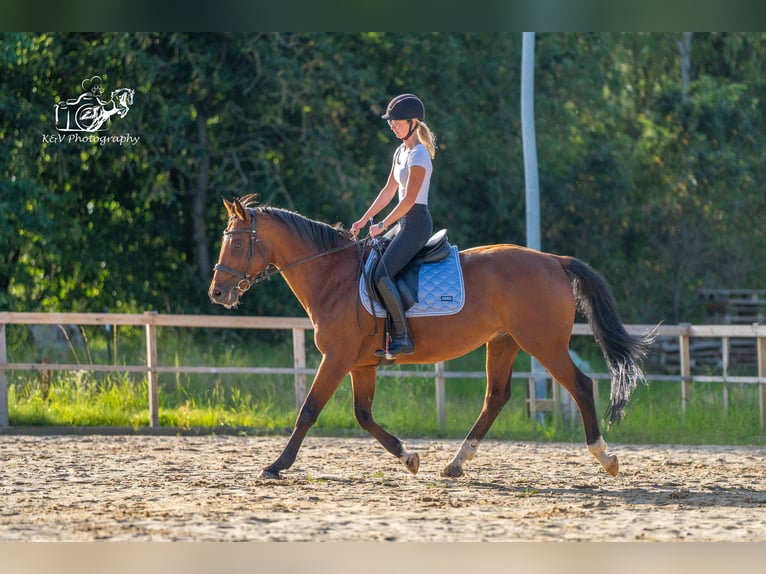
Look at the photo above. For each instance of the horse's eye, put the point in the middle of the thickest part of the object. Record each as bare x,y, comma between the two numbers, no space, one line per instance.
236,244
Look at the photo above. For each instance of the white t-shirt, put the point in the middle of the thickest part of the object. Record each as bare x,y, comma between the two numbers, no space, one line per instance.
405,158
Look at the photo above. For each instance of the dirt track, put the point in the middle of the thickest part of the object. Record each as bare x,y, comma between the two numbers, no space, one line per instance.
72,488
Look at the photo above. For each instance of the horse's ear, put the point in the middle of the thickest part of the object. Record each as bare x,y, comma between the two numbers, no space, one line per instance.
229,206
240,210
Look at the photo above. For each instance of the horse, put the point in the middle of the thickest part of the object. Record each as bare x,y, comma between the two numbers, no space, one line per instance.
515,298
124,97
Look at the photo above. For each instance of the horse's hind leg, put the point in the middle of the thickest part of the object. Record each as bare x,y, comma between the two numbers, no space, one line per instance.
501,353
580,386
583,396
363,382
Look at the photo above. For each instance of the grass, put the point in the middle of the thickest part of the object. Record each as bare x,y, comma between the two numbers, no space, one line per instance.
404,405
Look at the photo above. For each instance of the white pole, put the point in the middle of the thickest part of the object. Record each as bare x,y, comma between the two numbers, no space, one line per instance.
531,180
528,139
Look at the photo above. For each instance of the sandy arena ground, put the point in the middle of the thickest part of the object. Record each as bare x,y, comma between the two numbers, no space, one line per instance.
204,488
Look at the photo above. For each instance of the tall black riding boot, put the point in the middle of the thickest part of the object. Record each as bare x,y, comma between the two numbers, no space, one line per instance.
401,343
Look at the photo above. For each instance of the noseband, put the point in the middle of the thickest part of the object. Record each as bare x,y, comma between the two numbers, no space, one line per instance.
245,279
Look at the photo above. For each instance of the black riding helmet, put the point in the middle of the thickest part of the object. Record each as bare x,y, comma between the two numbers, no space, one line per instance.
405,107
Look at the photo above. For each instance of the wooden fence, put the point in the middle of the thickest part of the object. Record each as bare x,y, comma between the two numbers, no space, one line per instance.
151,321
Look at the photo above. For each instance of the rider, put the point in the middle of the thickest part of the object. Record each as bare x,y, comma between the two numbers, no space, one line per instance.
410,176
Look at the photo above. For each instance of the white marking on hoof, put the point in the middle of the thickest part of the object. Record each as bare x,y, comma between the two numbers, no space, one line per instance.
466,452
608,461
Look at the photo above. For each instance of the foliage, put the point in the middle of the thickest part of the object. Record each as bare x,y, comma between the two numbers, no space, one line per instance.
660,193
405,405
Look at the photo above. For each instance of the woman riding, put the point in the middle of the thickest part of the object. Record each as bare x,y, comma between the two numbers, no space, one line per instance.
410,179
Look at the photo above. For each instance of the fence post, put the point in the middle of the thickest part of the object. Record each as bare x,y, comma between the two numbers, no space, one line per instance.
4,418
725,352
441,395
299,362
151,370
532,396
762,374
686,364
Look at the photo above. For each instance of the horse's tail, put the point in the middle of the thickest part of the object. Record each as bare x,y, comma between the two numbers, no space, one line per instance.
623,352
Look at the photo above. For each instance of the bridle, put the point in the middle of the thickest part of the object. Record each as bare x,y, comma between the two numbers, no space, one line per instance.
245,279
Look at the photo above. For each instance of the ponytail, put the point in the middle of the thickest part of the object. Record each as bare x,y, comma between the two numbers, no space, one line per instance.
427,138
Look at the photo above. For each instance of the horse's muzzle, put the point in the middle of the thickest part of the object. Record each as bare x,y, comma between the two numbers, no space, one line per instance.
228,297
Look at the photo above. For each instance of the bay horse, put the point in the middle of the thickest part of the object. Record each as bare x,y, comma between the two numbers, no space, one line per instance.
515,298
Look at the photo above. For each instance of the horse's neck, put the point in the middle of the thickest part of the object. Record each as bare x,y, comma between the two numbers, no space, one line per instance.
314,281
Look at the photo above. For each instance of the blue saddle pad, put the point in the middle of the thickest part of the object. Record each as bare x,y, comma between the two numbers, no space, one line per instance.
440,292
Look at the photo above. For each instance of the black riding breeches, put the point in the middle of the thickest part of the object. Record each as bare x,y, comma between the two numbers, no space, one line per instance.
415,230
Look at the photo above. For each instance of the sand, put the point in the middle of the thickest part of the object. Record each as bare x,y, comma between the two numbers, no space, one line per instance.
205,488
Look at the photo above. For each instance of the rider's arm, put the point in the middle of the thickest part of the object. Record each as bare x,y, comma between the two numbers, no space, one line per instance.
384,197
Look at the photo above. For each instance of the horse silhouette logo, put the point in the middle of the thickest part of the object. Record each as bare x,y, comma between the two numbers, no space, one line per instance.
89,112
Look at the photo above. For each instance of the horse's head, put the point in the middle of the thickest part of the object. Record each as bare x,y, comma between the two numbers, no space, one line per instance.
241,258
123,99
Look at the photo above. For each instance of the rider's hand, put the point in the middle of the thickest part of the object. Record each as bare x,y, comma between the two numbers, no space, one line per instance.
376,230
357,227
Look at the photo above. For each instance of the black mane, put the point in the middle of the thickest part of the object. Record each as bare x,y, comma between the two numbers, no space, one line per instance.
321,235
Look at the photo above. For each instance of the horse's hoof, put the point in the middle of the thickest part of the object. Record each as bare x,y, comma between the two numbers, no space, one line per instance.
608,461
612,465
452,471
266,473
413,463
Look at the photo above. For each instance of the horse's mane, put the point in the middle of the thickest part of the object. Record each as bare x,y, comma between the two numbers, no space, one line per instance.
321,235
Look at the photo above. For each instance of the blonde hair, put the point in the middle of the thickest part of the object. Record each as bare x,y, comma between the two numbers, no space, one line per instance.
427,138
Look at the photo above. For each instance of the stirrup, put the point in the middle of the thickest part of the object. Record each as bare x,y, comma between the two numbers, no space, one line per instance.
401,345
384,352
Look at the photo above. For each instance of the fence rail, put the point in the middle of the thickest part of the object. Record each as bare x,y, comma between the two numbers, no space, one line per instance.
151,321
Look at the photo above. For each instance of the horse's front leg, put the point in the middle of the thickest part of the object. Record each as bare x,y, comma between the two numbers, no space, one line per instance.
363,381
326,382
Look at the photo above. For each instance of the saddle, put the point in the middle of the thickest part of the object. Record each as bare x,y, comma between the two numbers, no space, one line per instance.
436,249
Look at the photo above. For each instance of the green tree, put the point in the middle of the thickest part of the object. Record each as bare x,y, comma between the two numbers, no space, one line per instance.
658,191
